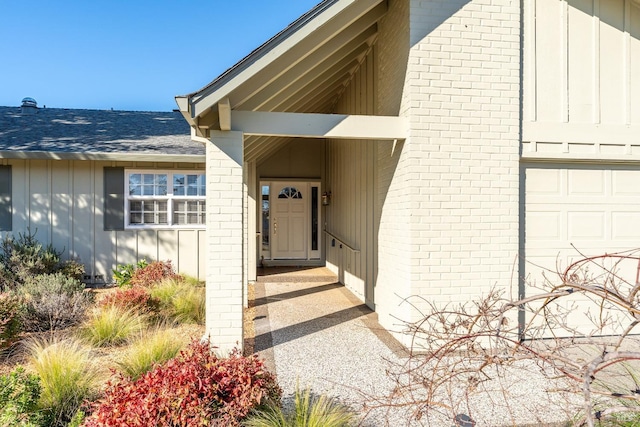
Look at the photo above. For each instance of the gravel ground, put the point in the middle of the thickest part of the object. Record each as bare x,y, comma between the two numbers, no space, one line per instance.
316,334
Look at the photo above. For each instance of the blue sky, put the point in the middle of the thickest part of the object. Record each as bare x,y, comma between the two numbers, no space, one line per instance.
128,54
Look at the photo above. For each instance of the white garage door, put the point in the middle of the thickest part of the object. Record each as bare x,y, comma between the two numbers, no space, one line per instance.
594,208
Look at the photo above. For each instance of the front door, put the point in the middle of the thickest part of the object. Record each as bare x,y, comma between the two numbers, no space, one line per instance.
289,215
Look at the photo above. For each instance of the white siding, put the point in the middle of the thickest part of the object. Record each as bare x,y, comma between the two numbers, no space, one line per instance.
62,201
581,79
351,180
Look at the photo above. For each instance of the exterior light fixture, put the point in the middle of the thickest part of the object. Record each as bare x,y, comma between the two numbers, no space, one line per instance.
326,198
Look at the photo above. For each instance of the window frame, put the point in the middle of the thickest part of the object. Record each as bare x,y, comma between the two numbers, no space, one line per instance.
169,198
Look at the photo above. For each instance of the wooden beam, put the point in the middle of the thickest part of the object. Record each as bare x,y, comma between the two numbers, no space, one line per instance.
303,125
224,111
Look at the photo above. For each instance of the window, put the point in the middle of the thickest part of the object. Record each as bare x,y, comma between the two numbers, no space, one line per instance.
165,199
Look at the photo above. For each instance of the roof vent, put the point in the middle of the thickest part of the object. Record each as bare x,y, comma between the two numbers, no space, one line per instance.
29,106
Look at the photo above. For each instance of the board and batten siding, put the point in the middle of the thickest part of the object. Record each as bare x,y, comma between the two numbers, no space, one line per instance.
62,201
350,238
581,87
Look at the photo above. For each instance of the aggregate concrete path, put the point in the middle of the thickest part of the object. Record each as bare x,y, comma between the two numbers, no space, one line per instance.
313,332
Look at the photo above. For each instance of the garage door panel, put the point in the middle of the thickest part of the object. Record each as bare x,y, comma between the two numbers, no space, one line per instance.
543,182
585,225
586,182
625,183
544,225
626,227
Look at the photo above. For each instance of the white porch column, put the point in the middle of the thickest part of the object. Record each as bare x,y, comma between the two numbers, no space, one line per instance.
225,232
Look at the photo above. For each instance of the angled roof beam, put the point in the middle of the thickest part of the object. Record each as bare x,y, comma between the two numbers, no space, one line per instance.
336,126
333,51
315,98
330,72
290,51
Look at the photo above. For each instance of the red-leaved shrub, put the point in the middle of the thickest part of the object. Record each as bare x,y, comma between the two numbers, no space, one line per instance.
153,273
137,298
195,389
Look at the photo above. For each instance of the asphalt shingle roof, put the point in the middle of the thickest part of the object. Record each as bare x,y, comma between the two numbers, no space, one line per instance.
96,131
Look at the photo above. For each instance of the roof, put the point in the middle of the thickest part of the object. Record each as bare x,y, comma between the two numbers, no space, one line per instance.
304,69
96,134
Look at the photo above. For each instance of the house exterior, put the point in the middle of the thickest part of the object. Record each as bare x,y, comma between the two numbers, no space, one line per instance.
107,187
422,148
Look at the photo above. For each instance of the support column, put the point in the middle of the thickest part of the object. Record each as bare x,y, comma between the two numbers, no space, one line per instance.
225,240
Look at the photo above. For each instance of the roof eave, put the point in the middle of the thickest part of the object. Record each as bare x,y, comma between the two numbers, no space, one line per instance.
140,157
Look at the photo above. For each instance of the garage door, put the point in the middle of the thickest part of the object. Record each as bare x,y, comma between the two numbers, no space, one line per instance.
592,209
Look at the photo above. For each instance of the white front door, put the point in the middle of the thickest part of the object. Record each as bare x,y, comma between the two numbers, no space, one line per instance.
289,214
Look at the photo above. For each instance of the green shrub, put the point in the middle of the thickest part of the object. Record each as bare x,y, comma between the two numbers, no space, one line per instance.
189,305
308,411
195,389
123,272
56,283
67,377
53,301
165,291
71,268
19,395
112,325
149,350
10,318
24,257
180,301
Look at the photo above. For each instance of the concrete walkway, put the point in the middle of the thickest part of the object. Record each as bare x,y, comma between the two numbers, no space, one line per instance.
315,333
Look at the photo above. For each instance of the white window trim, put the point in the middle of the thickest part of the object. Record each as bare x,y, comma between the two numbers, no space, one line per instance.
169,197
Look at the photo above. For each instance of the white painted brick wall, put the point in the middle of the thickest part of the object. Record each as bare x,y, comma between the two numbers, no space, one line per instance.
465,100
449,221
393,201
225,233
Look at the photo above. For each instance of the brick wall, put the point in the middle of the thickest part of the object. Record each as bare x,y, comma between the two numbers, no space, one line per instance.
464,97
392,170
225,233
448,196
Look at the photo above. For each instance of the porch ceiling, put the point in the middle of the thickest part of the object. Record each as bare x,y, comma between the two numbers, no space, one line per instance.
303,69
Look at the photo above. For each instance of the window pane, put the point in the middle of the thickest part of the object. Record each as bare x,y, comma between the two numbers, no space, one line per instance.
161,190
134,184
178,184
163,218
135,206
147,190
202,184
148,178
265,217
188,211
135,218
314,218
